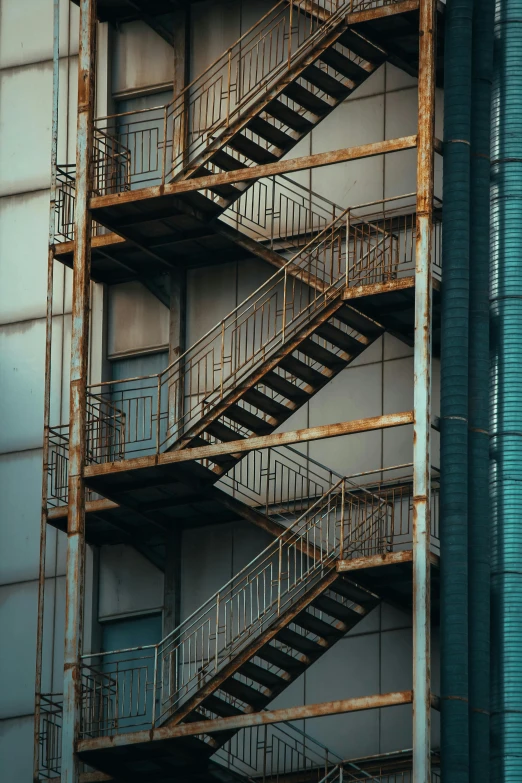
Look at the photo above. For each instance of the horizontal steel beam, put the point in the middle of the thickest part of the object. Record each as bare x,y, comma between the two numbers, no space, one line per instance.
374,561
238,722
257,172
249,444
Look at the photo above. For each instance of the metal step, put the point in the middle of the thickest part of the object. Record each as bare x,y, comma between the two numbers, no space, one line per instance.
300,643
282,660
339,338
266,404
251,150
307,99
249,420
270,133
221,707
322,355
353,592
222,432
355,319
359,45
225,161
289,117
303,371
245,693
336,609
226,191
262,676
323,81
344,65
319,627
279,384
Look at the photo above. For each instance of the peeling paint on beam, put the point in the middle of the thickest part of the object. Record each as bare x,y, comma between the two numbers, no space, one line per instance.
238,722
257,172
249,444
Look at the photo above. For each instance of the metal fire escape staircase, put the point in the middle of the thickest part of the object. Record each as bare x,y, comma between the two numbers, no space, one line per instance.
246,644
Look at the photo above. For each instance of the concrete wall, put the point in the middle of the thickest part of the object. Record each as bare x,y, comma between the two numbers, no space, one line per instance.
376,656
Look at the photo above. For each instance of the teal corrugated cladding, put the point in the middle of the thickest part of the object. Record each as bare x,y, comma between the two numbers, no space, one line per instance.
454,393
506,395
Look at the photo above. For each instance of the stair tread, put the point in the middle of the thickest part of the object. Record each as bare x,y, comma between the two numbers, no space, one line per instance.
335,609
269,132
359,45
344,65
281,659
221,707
221,459
298,642
225,161
249,420
341,339
303,371
226,191
352,592
266,404
285,387
323,81
359,321
251,150
244,692
289,117
320,354
222,431
306,99
317,626
262,676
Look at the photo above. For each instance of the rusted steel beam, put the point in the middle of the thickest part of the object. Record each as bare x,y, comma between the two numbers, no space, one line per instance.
262,442
375,561
103,504
75,565
422,396
237,722
257,172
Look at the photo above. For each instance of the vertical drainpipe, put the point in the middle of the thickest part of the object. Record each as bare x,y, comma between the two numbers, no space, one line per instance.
454,393
75,565
506,395
47,389
478,432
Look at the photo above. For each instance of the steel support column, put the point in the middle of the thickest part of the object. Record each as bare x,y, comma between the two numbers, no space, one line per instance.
422,397
78,380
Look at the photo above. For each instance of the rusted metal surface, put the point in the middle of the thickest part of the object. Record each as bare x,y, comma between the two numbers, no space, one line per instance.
235,447
75,564
338,707
422,397
257,172
47,389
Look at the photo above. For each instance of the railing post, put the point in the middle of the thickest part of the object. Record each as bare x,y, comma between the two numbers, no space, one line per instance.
347,259
283,326
290,24
422,398
158,414
222,356
154,687
279,574
79,357
164,155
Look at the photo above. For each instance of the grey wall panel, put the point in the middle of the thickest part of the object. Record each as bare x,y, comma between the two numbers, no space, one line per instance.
396,659
396,728
215,27
211,295
137,320
26,33
24,152
128,582
23,258
17,648
20,504
141,58
16,759
206,564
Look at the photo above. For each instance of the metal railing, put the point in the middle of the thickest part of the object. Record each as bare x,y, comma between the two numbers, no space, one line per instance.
147,414
50,735
142,687
154,145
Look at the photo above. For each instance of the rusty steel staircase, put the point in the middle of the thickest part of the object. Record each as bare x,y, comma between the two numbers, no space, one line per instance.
244,646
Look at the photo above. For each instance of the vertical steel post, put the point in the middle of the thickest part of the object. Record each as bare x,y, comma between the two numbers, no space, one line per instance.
422,397
79,367
47,384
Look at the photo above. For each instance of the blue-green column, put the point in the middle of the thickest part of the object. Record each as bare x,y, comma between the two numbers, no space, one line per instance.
478,437
506,395
454,392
